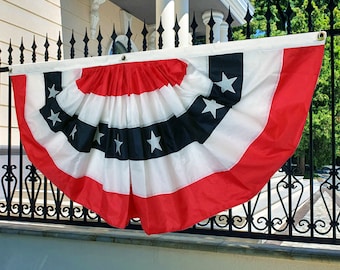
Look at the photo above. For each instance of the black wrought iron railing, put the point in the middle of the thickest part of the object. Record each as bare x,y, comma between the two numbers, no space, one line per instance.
291,207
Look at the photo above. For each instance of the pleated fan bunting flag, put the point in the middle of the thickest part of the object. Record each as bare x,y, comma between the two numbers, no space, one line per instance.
173,136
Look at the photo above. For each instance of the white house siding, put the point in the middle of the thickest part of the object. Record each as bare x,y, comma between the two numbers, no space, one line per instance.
76,17
23,20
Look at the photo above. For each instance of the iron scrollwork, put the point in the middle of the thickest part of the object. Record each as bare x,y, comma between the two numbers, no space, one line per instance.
8,183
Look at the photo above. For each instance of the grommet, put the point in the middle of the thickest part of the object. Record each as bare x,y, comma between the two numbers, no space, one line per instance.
123,58
321,35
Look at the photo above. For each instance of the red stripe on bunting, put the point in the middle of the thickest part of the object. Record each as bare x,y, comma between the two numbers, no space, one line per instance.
131,78
277,142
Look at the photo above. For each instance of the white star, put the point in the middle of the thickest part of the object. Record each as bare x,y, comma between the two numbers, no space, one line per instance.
226,84
53,92
74,131
154,142
118,144
98,136
211,106
54,117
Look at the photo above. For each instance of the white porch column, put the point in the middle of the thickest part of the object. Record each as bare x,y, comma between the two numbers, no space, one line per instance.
165,10
94,17
218,18
182,12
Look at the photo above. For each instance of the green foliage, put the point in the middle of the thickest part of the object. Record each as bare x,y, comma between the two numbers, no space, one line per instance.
321,107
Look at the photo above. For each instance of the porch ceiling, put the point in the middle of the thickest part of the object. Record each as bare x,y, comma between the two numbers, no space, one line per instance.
146,9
